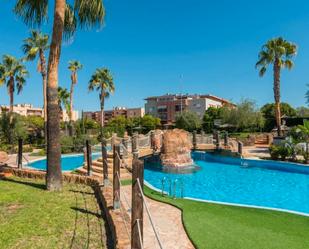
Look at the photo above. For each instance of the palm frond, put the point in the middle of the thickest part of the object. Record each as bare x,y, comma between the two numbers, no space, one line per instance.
288,64
262,71
35,43
70,23
32,12
90,13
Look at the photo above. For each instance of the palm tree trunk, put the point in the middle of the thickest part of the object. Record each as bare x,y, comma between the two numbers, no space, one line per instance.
277,95
71,107
11,93
44,77
54,175
102,100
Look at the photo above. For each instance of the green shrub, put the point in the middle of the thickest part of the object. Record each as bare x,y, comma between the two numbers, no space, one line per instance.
284,152
281,151
67,144
39,153
274,152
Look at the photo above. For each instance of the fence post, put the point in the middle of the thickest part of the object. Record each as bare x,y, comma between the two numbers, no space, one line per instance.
89,158
125,142
20,153
194,142
113,139
116,176
226,139
240,148
104,160
217,140
203,139
152,140
134,143
137,204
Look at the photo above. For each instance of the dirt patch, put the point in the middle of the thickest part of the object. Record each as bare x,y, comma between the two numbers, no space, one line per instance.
11,208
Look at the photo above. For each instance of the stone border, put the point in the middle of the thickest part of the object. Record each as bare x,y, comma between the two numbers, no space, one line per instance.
104,196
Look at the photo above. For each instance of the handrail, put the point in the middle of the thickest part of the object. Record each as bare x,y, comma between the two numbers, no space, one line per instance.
125,198
123,218
139,233
149,215
26,159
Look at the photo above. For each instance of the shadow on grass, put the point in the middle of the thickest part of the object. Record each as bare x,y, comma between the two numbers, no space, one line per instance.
84,211
31,184
81,192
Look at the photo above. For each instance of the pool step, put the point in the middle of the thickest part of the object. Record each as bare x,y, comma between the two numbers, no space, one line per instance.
123,174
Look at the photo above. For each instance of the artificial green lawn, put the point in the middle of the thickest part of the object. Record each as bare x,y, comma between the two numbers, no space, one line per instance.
31,217
216,226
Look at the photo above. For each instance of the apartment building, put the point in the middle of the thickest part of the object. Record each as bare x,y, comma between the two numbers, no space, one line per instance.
23,110
30,110
116,112
167,106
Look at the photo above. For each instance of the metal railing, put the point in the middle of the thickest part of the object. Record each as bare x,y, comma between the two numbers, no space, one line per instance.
149,214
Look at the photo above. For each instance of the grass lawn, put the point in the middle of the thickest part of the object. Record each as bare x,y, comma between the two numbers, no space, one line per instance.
224,227
31,217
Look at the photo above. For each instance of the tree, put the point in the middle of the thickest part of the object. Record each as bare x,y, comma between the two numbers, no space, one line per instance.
14,73
83,13
63,99
302,111
11,128
102,81
279,53
74,66
35,46
245,116
210,115
268,110
188,121
149,123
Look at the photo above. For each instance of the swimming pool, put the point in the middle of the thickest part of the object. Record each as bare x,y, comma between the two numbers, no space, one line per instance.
68,162
258,183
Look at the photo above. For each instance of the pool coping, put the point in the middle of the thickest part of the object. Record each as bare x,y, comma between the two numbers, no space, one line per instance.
26,165
233,204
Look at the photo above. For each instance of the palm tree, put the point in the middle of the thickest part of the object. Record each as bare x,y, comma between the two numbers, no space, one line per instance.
64,102
13,73
63,99
84,13
279,53
102,81
35,46
74,66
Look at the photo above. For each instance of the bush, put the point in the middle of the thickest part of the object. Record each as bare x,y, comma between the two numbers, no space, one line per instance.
274,152
188,121
67,144
281,151
39,153
284,152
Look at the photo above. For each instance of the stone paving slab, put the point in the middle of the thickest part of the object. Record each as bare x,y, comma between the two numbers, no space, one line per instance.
168,222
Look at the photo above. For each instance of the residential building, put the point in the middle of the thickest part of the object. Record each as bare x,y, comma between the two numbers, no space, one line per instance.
116,112
29,110
23,110
64,116
167,106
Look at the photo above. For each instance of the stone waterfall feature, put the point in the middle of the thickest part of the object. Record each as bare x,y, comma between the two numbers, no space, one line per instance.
176,148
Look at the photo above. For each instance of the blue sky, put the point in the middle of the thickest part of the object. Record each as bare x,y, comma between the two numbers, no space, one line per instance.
148,45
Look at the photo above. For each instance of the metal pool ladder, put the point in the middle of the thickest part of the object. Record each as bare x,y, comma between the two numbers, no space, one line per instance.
173,186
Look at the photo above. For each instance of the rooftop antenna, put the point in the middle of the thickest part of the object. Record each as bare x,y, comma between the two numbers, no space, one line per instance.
181,82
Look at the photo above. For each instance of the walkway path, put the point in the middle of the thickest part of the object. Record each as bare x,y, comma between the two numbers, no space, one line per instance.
168,221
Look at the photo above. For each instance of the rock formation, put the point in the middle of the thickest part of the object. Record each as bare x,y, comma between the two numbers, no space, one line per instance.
176,148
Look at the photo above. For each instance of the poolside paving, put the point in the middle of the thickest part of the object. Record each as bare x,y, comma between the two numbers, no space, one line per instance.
168,222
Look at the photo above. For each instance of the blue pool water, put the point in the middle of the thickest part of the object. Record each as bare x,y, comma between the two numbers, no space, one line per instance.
238,181
68,162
